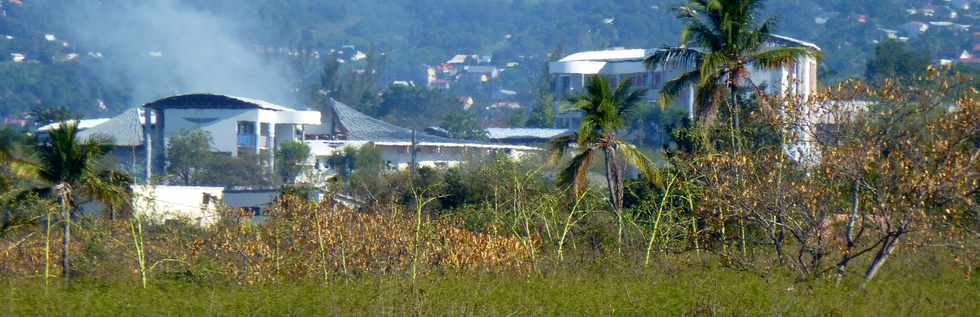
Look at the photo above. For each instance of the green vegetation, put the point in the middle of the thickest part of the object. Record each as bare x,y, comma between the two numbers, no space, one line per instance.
860,200
677,289
604,111
894,60
193,163
291,160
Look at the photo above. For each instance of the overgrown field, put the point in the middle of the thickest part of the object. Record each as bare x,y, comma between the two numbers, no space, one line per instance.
689,286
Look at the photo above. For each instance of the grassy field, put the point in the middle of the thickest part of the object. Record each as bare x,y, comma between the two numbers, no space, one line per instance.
692,289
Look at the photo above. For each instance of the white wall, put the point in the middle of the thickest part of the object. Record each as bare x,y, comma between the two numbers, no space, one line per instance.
161,203
224,130
400,157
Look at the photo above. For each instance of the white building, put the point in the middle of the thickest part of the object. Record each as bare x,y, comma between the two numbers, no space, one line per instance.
237,125
572,73
345,127
194,205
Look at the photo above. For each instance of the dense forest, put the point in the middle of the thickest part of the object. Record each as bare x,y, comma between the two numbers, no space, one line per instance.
71,59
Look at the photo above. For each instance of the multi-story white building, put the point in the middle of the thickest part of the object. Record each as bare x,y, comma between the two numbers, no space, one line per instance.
573,72
237,125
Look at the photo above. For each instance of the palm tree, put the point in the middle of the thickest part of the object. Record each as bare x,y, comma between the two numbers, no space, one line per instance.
721,40
605,111
69,165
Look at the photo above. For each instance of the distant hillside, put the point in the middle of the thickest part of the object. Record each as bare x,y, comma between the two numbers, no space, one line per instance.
425,32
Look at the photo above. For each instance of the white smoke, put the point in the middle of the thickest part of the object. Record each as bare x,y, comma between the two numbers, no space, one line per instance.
159,48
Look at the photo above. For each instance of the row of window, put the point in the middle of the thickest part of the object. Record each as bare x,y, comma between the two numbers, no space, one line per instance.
248,128
649,80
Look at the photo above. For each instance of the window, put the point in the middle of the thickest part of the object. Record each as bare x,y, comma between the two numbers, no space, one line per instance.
564,84
246,127
639,80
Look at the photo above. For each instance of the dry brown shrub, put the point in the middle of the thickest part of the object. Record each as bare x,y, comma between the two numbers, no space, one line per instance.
299,239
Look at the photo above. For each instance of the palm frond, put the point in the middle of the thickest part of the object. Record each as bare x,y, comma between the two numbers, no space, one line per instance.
783,56
558,146
647,168
697,33
576,174
673,87
707,99
715,65
675,57
588,131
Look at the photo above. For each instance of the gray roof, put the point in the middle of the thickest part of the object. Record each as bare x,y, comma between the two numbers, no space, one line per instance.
526,133
126,129
361,127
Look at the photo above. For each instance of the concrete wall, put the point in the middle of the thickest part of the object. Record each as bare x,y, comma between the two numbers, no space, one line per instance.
250,198
224,130
161,203
399,156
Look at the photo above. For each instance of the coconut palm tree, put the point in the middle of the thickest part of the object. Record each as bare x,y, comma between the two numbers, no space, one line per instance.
70,166
720,41
605,111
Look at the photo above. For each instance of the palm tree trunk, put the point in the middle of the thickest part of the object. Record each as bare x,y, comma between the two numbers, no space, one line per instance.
610,179
615,194
736,142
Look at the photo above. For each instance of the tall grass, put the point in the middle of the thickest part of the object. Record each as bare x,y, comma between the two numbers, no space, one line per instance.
684,287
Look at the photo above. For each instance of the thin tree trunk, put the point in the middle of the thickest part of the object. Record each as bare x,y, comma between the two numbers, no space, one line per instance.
851,221
880,258
780,239
65,264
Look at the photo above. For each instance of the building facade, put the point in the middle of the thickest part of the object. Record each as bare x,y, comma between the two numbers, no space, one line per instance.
238,126
573,72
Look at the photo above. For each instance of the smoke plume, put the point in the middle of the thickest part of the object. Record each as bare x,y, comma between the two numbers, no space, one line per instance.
157,48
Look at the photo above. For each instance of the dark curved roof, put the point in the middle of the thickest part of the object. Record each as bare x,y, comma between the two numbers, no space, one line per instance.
212,101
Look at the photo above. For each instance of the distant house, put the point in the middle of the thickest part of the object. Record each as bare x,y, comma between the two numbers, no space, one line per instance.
914,28
512,105
483,73
10,121
964,5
